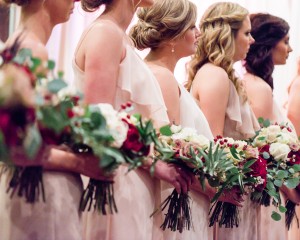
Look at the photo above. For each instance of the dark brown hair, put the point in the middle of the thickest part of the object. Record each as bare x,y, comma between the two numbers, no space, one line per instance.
267,30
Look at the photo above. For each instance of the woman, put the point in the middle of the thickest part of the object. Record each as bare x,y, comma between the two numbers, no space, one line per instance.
271,48
170,37
293,115
108,70
63,187
225,38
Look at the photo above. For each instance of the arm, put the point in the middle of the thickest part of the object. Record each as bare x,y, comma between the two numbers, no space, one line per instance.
211,89
103,51
260,97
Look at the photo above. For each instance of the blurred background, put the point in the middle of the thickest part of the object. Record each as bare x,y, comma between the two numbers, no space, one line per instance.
65,37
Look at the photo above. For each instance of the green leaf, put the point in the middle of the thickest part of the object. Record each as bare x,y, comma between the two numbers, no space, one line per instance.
32,142
56,85
249,163
292,183
291,170
260,120
281,174
60,74
51,64
296,167
276,216
278,183
266,123
166,130
266,155
282,209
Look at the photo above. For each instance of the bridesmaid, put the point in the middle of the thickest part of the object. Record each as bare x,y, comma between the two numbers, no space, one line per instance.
271,48
293,114
108,70
170,37
225,38
63,186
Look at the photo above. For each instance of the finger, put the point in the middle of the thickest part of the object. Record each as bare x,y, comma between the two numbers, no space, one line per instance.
183,183
186,177
177,186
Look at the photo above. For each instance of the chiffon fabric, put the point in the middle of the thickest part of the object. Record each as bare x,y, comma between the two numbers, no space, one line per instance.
56,219
136,193
191,116
240,123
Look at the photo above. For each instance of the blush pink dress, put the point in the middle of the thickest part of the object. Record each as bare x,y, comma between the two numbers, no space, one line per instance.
241,123
191,116
135,192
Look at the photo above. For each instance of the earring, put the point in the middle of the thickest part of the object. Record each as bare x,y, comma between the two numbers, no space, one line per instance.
172,50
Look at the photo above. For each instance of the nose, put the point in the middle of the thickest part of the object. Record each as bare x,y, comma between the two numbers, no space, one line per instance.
290,49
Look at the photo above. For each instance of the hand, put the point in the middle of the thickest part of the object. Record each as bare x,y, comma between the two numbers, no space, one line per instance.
178,177
19,158
292,194
233,196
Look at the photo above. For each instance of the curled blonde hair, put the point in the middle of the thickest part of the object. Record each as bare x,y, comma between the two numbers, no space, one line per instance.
218,29
163,21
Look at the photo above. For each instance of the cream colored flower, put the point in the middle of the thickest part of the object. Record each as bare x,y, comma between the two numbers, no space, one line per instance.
279,151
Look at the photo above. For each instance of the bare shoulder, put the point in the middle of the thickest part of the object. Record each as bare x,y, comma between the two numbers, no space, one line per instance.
212,76
295,86
161,73
104,32
256,85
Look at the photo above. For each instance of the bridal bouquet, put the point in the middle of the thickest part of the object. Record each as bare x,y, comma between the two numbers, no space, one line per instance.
116,138
279,147
19,135
208,161
247,173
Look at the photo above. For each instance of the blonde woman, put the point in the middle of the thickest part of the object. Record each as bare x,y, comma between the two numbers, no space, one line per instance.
108,70
225,38
170,37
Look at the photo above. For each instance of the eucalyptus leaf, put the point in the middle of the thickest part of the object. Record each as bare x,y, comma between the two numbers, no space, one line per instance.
276,216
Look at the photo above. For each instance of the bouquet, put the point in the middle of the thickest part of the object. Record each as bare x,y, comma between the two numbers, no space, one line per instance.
116,138
19,134
279,146
197,154
240,174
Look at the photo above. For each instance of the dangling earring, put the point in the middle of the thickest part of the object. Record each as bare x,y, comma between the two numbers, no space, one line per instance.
172,50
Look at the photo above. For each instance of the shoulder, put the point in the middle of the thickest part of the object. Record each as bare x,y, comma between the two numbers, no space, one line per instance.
256,85
212,76
104,31
161,73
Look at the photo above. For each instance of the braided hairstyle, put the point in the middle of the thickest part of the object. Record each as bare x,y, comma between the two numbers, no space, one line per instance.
267,30
218,29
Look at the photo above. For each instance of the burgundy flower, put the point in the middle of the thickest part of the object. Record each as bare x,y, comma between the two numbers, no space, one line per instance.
265,148
295,157
133,141
50,137
259,169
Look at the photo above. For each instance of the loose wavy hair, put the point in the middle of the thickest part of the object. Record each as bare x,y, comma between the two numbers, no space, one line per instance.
218,29
163,21
267,30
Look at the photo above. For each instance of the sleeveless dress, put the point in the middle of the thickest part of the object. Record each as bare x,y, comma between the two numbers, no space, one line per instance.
240,123
56,219
192,116
135,192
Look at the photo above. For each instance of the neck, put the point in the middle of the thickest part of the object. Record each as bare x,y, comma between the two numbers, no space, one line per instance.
163,57
37,23
121,12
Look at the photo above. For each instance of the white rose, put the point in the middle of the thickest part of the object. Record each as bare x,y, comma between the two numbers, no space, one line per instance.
200,140
251,152
175,128
66,92
272,132
279,151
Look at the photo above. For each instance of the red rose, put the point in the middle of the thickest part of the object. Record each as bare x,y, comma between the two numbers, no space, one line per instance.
133,141
295,157
259,169
265,148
